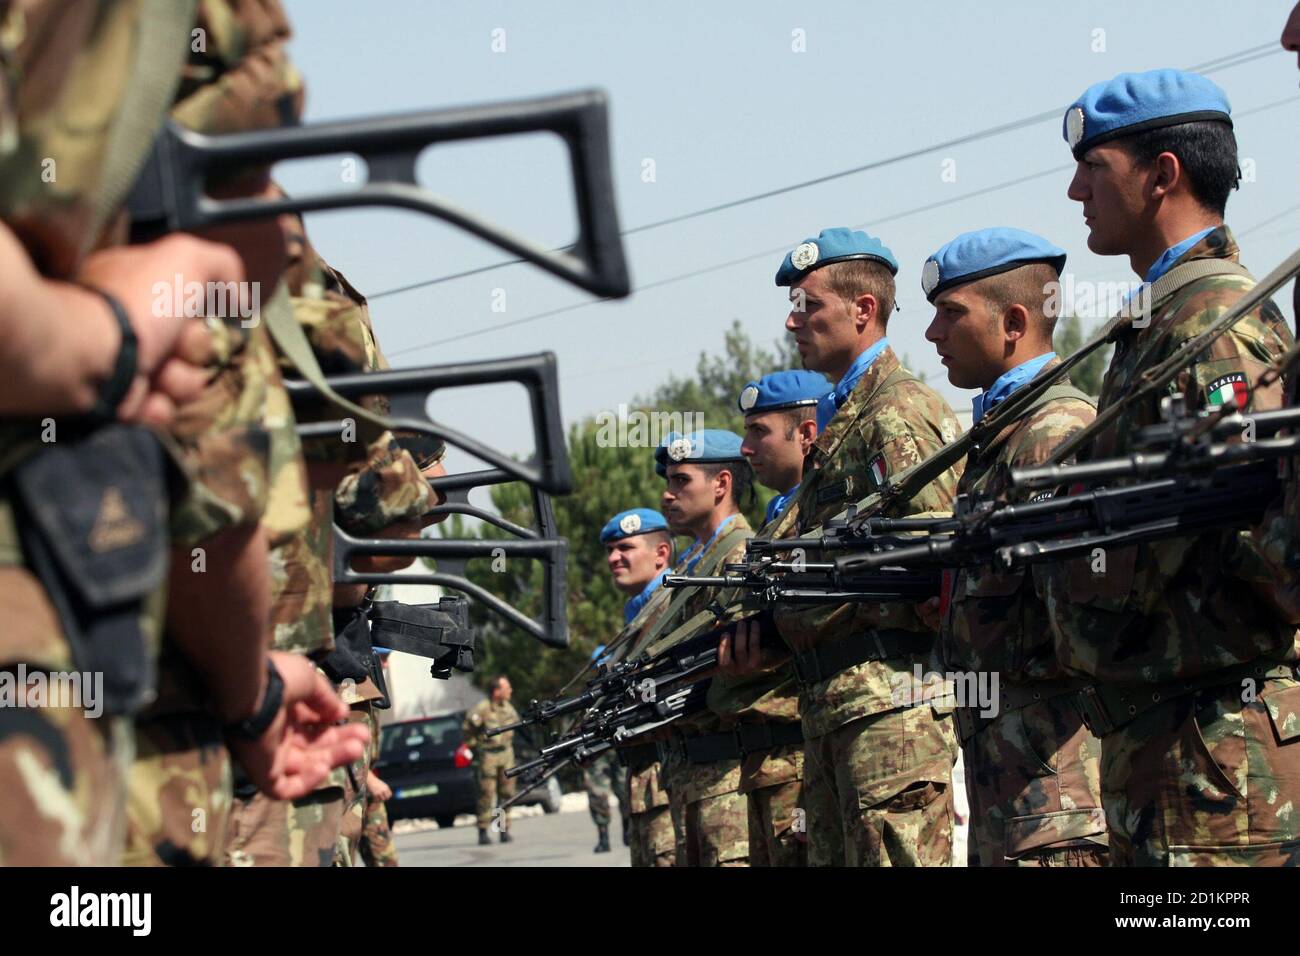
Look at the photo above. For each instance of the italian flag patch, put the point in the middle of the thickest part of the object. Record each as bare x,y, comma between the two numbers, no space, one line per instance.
1229,388
877,469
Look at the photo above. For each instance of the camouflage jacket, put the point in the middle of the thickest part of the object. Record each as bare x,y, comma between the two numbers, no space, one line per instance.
768,697
890,422
994,621
645,789
696,611
487,715
1182,607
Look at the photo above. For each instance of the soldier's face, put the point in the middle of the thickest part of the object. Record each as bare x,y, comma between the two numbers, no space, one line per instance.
775,451
823,325
967,336
1291,33
1112,190
689,498
633,562
503,690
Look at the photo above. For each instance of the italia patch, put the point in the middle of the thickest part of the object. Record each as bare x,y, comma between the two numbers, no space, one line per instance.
878,471
1229,388
836,492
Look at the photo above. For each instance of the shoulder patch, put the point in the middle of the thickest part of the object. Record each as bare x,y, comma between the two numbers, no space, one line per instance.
1230,387
878,470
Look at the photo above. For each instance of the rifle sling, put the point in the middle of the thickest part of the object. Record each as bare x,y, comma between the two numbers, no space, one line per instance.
293,345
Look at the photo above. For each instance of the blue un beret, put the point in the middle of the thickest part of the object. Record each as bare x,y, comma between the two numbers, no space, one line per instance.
706,446
787,389
985,252
833,245
634,521
1133,102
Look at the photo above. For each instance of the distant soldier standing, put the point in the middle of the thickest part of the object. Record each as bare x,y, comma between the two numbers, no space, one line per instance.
638,550
1031,764
492,755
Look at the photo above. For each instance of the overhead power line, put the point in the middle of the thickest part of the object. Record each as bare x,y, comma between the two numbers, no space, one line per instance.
1210,66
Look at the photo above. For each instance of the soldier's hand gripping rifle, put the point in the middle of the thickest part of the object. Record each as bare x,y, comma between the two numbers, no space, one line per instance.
172,194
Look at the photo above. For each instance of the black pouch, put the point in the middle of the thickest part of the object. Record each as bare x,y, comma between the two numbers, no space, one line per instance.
92,519
439,631
352,654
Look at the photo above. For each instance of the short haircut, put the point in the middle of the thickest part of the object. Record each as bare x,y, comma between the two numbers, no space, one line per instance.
1207,151
854,277
495,682
1031,285
794,417
656,538
742,479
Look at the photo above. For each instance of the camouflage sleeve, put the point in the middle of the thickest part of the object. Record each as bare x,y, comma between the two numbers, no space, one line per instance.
388,489
904,434
1228,368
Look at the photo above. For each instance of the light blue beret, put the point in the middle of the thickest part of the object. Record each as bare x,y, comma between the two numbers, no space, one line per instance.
1133,102
787,389
833,245
706,446
625,524
985,252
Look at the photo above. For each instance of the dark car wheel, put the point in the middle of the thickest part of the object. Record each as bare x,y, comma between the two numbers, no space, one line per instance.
445,820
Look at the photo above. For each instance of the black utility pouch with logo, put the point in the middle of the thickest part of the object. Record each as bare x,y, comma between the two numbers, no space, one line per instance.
92,520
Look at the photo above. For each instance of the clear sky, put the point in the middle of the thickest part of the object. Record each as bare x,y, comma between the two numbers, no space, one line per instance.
717,96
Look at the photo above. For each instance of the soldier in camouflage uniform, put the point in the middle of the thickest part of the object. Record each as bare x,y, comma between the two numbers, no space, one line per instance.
638,549
650,823
780,412
707,479
492,757
92,52
877,776
1031,766
1196,703
370,487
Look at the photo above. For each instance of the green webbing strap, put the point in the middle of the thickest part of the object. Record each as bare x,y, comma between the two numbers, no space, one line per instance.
162,42
293,345
704,569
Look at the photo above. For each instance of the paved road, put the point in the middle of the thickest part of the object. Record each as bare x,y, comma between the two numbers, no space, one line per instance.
555,839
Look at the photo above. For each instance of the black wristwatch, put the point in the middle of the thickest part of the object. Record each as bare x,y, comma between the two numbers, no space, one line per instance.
252,728
119,382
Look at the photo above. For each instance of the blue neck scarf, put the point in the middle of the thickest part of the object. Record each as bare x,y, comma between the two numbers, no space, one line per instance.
777,505
1008,383
831,403
633,607
691,556
1174,253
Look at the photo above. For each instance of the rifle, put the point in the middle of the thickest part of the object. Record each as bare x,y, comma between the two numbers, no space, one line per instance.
801,582
171,194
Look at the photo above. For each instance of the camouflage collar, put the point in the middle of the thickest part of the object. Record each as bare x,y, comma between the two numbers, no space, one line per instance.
885,365
1219,244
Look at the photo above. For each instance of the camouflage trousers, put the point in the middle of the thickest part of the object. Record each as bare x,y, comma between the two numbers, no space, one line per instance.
777,825
1206,779
651,837
64,780
1033,780
603,779
377,847
878,791
715,831
494,788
